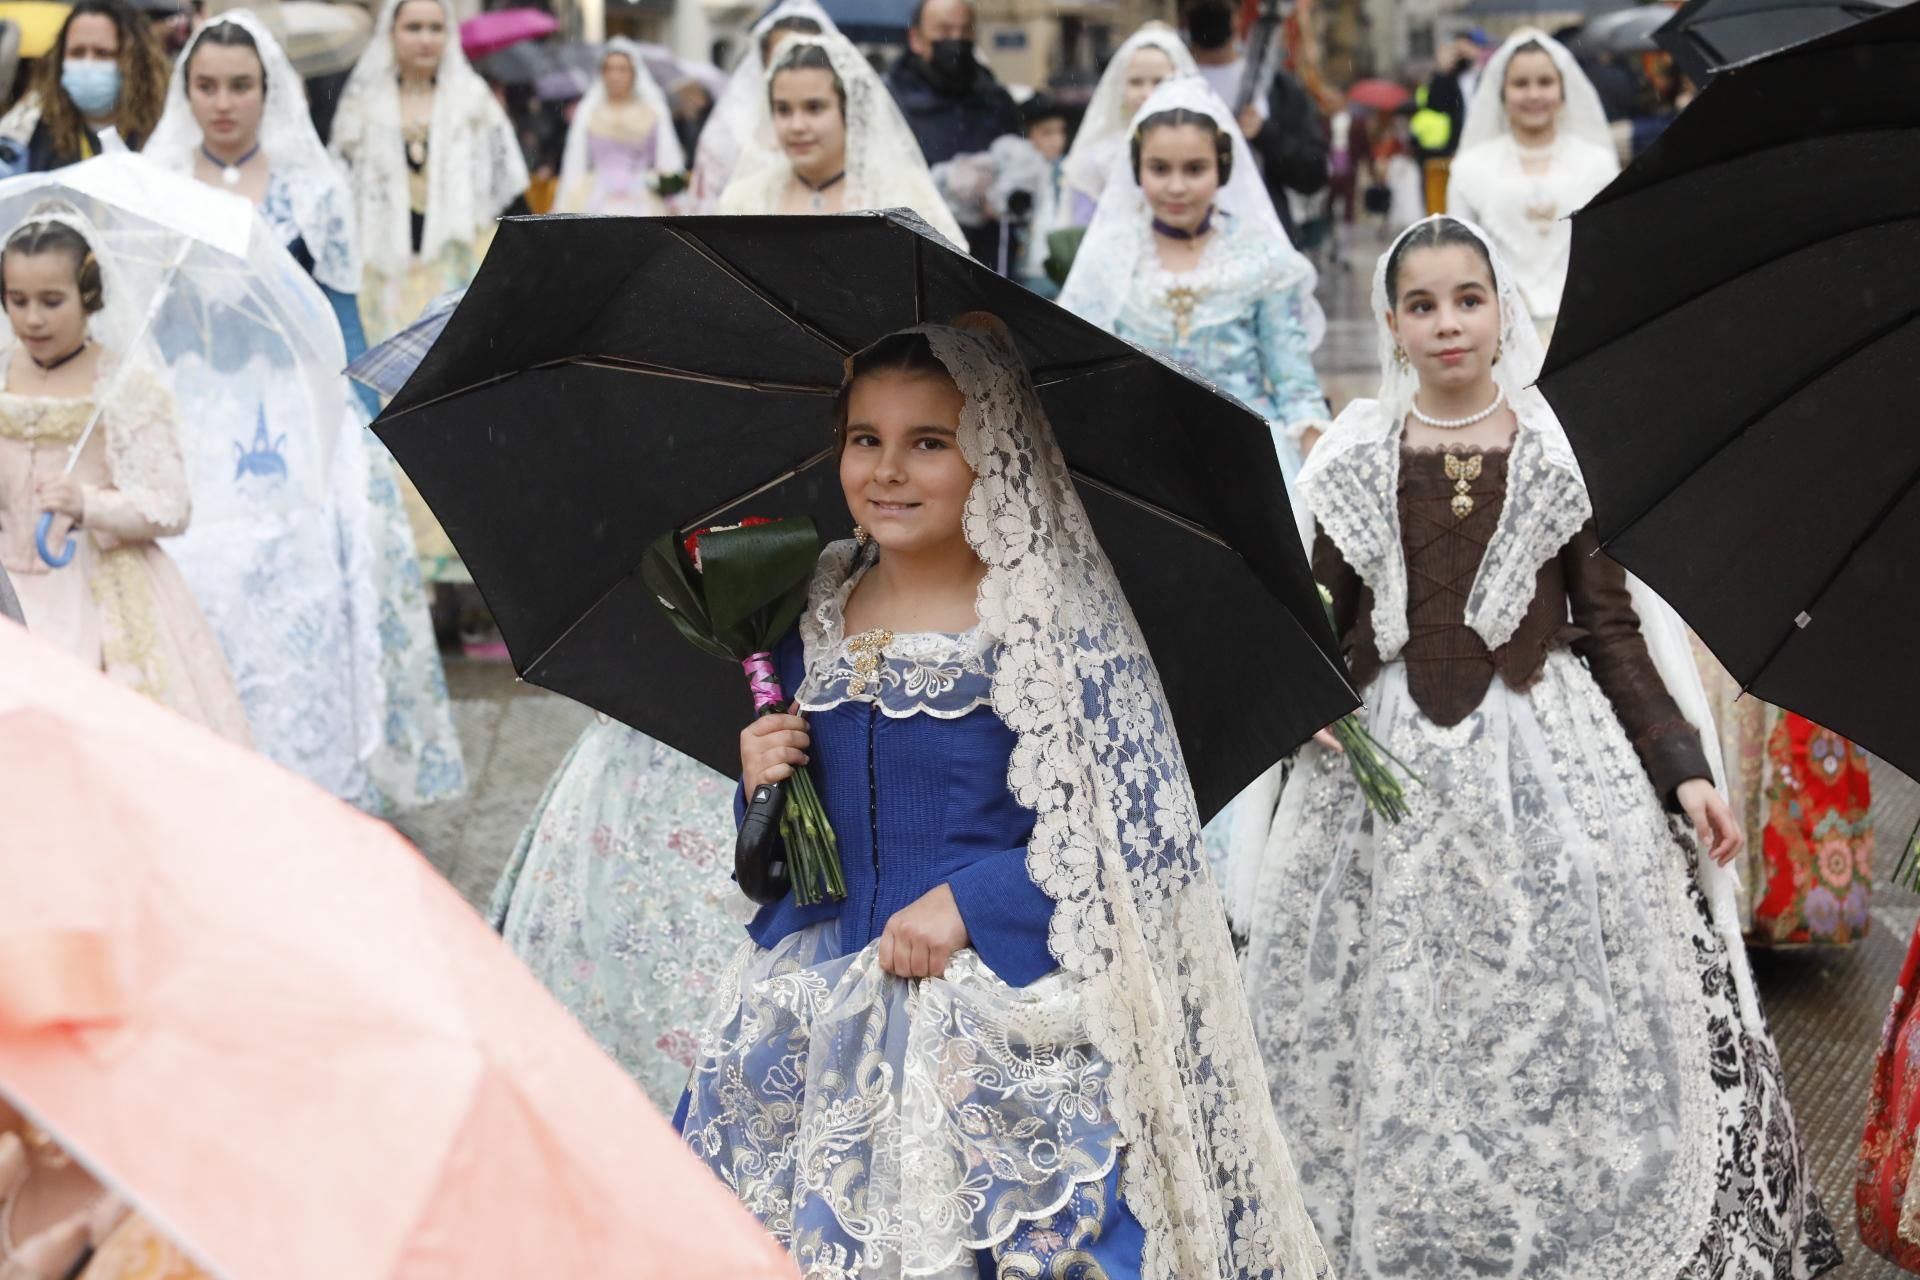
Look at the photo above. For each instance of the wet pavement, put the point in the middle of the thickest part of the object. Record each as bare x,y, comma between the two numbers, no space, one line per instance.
1825,1006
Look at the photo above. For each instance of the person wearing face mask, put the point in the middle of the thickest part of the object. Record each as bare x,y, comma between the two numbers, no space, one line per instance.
951,101
1535,147
105,71
1279,120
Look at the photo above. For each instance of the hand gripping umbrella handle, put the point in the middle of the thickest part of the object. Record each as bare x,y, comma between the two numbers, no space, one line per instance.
40,532
759,865
100,400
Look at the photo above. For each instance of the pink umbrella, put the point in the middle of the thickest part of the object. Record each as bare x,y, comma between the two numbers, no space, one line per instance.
1381,95
265,1021
500,29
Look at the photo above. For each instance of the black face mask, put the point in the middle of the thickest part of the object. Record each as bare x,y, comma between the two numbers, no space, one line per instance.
952,66
1210,26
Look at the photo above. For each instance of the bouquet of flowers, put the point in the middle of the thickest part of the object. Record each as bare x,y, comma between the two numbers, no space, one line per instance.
1366,756
733,591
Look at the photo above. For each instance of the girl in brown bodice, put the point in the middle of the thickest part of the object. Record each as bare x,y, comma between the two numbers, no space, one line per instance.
1509,1035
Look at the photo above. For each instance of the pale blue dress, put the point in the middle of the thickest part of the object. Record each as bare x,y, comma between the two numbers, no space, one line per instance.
620,898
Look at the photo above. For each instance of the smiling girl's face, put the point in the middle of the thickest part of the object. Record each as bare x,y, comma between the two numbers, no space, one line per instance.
901,469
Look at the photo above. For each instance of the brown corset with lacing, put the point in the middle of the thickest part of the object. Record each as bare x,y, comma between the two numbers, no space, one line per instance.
1449,511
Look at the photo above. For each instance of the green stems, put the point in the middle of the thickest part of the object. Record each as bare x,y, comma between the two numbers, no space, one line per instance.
1365,756
813,853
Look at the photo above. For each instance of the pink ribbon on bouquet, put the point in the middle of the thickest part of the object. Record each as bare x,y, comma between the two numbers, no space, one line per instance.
763,680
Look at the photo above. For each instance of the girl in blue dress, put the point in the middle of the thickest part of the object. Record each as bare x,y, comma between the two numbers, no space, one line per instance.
1017,1047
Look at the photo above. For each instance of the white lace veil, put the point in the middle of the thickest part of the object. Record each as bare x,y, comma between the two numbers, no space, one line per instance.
1104,125
1546,505
734,125
1116,845
1581,115
668,155
474,165
1109,259
885,169
322,203
125,290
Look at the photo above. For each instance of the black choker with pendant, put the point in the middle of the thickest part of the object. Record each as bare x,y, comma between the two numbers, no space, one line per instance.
819,190
1181,233
48,366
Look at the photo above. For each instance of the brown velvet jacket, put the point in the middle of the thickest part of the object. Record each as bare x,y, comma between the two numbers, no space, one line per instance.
1580,601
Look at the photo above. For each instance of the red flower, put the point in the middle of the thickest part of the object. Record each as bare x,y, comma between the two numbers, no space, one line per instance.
692,540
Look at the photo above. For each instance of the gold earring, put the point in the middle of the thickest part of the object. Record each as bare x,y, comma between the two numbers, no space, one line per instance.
1400,356
860,535
1498,347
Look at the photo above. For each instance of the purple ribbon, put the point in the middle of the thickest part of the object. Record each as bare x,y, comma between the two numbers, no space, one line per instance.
763,680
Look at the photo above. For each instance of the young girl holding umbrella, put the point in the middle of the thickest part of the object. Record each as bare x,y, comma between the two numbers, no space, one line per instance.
1016,1048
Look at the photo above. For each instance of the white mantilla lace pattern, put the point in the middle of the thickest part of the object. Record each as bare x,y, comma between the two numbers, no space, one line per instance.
875,1159
1508,1035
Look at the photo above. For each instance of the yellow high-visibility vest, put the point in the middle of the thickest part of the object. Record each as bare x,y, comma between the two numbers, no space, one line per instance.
1431,129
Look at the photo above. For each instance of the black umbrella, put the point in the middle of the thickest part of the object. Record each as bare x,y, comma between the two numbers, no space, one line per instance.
606,380
1706,35
1736,358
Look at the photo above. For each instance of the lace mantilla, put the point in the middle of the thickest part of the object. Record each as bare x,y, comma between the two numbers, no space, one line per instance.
474,165
1116,846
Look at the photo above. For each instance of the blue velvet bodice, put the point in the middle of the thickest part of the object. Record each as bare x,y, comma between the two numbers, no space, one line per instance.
913,775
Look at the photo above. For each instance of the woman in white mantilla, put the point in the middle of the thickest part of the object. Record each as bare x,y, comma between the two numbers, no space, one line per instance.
276,568
1017,1048
1534,148
621,140
738,133
1187,257
1149,57
432,160
1514,1034
843,143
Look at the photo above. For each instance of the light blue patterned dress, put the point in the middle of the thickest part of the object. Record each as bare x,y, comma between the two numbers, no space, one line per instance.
1226,321
417,760
620,898
1236,322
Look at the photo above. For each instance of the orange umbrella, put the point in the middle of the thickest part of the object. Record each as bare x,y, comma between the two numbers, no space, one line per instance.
265,1021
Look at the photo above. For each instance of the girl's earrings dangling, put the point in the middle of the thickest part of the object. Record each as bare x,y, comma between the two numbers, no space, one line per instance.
1498,347
860,535
1400,355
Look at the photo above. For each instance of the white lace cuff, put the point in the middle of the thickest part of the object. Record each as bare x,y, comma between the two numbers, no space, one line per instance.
1293,431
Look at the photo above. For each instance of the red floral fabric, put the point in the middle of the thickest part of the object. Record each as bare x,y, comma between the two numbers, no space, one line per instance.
1886,1148
1817,841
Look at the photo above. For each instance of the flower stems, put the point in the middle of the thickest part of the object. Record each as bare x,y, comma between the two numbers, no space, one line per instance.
813,852
1366,757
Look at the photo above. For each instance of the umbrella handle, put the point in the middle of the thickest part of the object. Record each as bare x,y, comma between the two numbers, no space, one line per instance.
40,532
759,866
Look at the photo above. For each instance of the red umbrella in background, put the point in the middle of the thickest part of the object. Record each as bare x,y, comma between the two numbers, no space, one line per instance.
1381,95
503,28
268,1024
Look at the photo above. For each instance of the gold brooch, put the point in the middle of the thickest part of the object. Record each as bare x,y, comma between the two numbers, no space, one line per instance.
866,648
1463,472
1181,300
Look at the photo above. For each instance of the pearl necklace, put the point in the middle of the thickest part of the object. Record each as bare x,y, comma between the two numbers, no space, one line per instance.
1456,424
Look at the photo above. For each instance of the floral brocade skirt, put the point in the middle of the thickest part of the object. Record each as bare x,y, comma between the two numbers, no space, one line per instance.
1504,1035
951,1127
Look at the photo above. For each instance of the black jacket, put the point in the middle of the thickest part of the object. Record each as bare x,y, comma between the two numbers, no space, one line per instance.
1291,145
946,126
